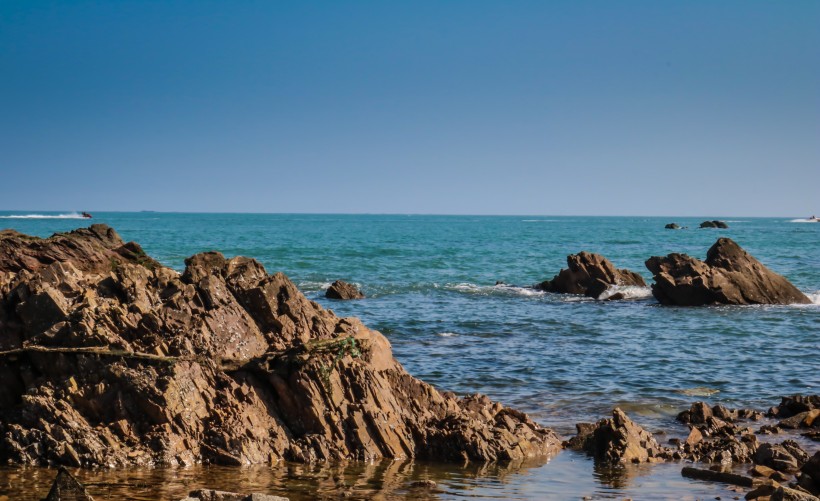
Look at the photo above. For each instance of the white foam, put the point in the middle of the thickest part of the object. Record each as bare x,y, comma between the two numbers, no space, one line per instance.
496,289
628,291
447,334
73,215
804,220
814,296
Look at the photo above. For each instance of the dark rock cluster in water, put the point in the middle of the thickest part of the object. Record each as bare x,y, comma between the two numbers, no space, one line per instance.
591,275
729,275
714,224
108,358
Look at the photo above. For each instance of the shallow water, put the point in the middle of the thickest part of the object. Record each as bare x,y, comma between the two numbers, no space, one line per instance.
563,359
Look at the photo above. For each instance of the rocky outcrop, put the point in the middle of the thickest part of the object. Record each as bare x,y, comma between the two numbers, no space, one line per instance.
589,274
618,440
714,224
109,359
728,276
672,226
343,290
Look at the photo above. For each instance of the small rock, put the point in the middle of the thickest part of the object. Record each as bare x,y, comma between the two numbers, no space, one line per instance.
67,488
343,290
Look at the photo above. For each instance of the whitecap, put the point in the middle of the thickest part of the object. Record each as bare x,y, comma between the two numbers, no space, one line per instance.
72,215
447,334
627,291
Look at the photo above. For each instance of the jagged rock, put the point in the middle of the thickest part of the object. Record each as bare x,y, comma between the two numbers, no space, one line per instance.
811,472
589,274
714,224
787,494
67,488
109,359
343,290
778,457
718,439
618,439
793,405
672,226
700,413
728,276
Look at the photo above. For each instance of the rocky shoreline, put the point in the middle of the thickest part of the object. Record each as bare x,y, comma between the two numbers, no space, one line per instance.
111,359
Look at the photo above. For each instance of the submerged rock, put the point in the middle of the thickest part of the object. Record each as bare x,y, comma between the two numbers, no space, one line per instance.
728,276
591,275
67,488
213,495
343,290
714,224
108,359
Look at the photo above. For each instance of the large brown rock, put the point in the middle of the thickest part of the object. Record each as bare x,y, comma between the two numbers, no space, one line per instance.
619,439
343,290
108,359
728,276
589,274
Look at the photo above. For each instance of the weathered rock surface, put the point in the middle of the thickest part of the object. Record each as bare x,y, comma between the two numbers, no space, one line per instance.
618,439
589,274
67,488
108,359
343,290
728,276
714,224
714,436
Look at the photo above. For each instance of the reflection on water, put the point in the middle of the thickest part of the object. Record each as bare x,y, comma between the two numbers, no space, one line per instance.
567,476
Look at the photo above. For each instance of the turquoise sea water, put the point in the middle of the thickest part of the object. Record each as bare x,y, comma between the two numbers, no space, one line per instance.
430,282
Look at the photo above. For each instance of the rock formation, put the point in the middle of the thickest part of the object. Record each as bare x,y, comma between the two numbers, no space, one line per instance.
728,276
589,274
213,495
109,359
714,224
672,226
618,439
343,290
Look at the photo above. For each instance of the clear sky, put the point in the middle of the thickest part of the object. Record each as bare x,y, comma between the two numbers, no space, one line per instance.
446,107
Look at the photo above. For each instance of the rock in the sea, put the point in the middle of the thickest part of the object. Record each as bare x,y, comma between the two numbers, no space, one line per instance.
793,405
343,290
108,358
619,439
589,274
728,276
780,457
783,493
672,226
214,495
714,224
67,488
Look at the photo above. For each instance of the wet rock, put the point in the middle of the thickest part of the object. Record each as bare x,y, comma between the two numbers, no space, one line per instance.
728,276
806,419
811,470
125,362
717,476
214,495
714,224
672,226
67,488
787,494
619,439
343,290
793,405
778,457
591,275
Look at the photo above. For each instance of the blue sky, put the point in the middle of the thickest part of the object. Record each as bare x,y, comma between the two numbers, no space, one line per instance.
450,107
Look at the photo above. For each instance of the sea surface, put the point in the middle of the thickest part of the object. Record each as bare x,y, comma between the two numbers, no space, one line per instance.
431,286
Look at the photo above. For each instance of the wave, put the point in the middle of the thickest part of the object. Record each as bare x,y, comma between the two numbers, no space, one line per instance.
447,334
539,220
72,215
494,289
627,291
814,296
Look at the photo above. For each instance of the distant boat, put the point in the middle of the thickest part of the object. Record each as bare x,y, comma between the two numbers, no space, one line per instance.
85,215
813,219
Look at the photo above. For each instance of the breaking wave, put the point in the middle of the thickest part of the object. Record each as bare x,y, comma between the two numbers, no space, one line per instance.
628,292
72,215
495,289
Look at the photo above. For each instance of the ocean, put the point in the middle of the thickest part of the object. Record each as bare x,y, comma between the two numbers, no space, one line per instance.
431,286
